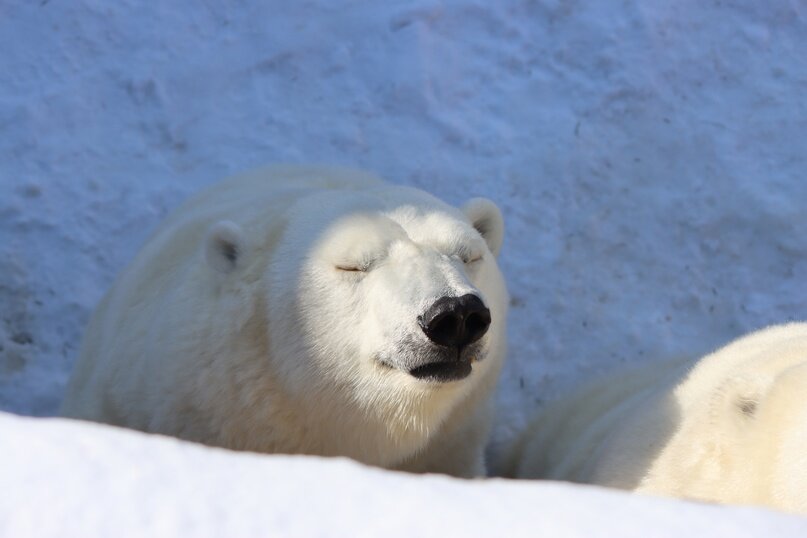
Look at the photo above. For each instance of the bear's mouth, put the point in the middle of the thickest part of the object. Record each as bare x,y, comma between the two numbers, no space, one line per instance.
433,364
442,372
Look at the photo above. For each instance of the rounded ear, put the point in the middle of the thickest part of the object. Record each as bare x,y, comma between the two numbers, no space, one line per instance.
224,246
738,397
488,221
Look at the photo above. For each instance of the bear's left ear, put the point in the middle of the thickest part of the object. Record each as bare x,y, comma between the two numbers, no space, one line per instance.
224,246
488,221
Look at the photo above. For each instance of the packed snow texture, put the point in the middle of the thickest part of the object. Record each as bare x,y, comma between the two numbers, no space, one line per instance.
190,490
649,160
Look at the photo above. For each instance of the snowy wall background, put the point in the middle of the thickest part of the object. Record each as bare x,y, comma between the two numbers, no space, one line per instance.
649,157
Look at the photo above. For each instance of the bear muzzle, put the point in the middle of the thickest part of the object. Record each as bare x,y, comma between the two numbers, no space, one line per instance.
453,324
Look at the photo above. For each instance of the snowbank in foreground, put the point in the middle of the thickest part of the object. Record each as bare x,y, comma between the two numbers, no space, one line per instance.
65,478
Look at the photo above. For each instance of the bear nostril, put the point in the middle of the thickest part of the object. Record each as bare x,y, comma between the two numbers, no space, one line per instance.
455,321
445,328
476,325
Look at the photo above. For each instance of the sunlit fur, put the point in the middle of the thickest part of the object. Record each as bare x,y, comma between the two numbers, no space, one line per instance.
298,337
729,428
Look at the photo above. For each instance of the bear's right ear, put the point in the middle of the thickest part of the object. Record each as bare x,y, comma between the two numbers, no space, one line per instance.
739,396
488,221
224,246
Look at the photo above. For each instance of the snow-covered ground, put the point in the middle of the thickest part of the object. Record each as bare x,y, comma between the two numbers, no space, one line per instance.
189,490
650,159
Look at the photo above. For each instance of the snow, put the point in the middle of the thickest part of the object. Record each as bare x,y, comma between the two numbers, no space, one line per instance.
189,490
649,159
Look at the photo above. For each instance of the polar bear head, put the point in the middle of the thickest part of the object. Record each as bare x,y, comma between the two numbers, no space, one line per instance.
757,452
782,418
386,307
743,427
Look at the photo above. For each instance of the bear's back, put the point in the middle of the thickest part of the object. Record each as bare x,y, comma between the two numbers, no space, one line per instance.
570,434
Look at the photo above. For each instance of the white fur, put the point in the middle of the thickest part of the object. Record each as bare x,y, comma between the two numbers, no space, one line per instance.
287,346
732,428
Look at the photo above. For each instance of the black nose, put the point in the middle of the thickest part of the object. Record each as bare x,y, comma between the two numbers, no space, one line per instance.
455,321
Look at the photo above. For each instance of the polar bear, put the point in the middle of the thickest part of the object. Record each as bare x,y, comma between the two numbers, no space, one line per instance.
729,428
307,310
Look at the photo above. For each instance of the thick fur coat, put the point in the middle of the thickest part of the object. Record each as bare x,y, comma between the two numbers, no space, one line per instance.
281,311
729,428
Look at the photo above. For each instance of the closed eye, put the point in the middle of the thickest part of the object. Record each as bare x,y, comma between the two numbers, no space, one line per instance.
361,265
473,259
352,268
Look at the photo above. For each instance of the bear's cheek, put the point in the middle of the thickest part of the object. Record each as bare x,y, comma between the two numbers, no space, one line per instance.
351,319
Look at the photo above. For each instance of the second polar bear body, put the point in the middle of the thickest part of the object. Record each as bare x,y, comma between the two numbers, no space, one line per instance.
730,428
278,312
